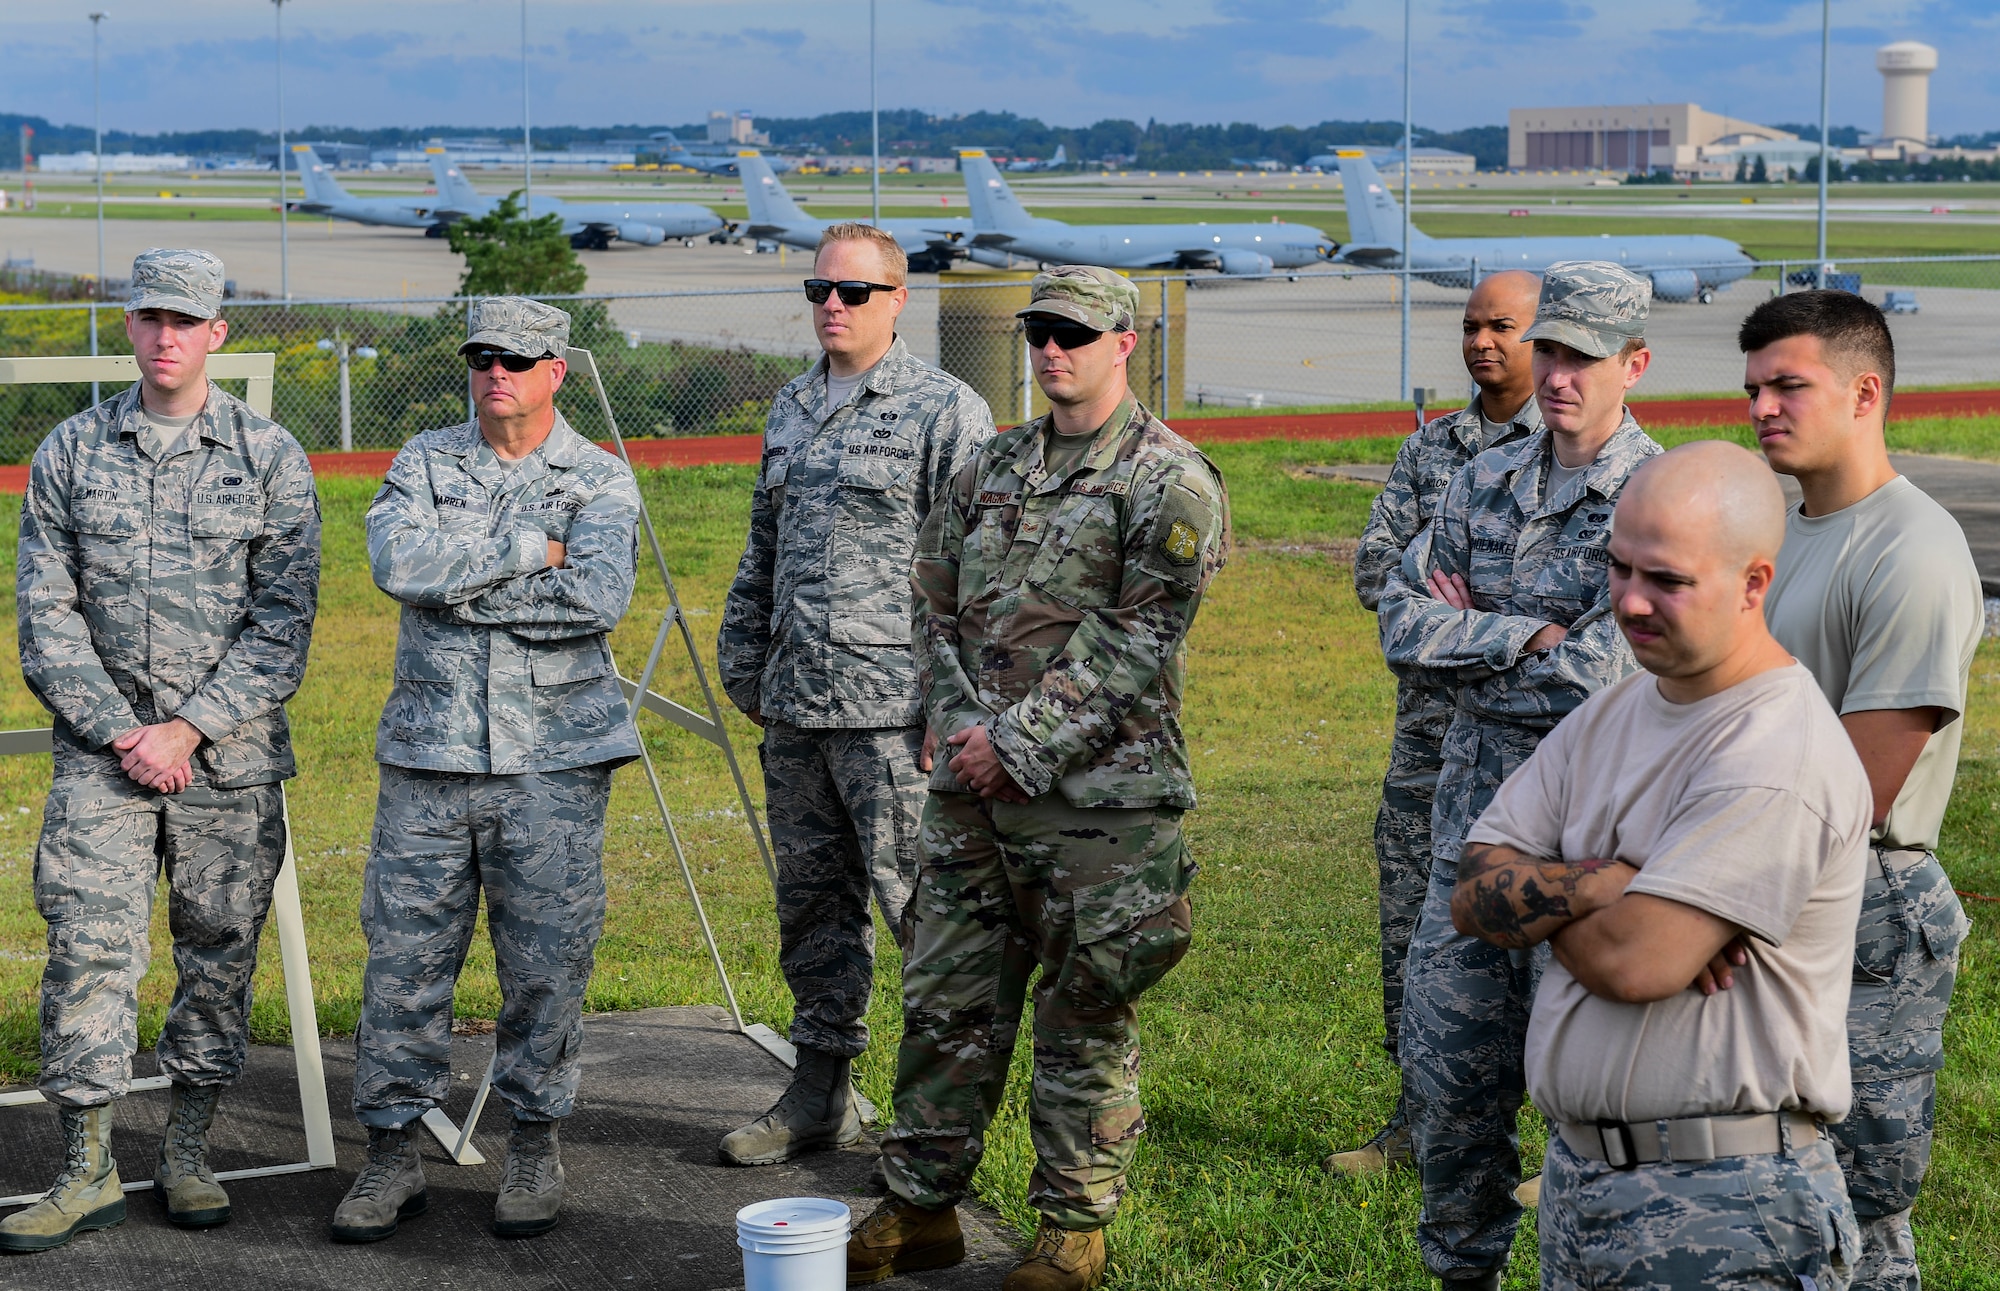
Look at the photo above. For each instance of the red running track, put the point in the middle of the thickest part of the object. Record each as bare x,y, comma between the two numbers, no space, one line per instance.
743,450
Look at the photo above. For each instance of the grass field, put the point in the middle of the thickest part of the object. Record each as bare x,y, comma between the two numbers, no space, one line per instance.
1261,1050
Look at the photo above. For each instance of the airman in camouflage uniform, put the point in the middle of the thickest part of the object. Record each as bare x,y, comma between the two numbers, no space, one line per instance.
496,749
1052,610
815,643
1424,468
168,576
1526,556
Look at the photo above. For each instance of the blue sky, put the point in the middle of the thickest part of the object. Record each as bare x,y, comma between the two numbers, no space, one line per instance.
208,63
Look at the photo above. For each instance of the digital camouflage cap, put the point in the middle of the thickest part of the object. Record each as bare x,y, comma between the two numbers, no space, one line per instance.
1082,293
1592,306
185,281
517,325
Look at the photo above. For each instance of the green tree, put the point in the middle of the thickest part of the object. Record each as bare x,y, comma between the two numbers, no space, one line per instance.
1760,174
508,254
1742,169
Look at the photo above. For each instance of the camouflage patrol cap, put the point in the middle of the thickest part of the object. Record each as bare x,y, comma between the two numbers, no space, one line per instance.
517,325
185,281
1592,306
1084,294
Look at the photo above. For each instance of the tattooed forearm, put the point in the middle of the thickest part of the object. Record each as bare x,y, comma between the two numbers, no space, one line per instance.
1515,900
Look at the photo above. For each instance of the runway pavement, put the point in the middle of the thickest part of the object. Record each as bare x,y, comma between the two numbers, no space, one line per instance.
1326,338
647,1204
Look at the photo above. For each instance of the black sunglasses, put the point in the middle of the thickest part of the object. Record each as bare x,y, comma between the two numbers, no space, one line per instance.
1068,336
852,292
483,360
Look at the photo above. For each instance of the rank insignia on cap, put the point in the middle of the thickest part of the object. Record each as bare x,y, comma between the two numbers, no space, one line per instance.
1181,543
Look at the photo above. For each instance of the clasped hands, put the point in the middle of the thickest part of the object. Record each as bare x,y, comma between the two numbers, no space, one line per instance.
1453,590
158,756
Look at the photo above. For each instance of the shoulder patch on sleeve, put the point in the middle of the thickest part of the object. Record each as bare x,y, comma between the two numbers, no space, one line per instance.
1177,548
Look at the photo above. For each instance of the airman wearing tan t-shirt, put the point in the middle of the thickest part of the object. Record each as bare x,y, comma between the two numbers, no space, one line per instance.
1877,594
1691,843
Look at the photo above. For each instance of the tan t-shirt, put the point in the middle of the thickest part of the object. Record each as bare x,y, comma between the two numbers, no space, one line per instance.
1750,805
1882,602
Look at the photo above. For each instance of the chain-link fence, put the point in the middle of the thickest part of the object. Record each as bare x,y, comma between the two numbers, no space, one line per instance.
371,373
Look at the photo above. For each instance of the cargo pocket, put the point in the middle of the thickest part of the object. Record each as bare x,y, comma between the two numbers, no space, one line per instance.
1131,930
1882,934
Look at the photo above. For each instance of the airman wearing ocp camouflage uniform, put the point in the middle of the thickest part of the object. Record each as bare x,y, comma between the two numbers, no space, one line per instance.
168,577
1052,611
1423,470
815,643
496,747
1528,538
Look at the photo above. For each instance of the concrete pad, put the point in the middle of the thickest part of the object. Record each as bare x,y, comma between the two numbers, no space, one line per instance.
1969,490
647,1205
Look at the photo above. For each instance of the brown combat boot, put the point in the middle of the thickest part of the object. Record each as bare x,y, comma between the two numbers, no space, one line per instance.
901,1237
1388,1150
182,1179
1061,1260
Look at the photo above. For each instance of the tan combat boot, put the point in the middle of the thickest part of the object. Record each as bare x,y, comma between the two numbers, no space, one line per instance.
87,1194
182,1180
817,1110
531,1185
901,1237
1060,1260
1388,1150
1529,1194
389,1189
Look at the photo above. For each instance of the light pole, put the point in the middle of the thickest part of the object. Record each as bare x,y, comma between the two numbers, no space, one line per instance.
874,123
284,232
97,129
527,148
1825,46
338,344
1405,257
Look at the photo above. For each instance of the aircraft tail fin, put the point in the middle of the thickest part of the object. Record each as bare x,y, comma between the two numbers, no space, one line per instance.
1062,156
994,205
455,191
767,199
675,148
1373,217
322,189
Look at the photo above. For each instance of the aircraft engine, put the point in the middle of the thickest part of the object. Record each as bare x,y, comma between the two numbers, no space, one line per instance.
1000,259
1676,285
1243,262
646,235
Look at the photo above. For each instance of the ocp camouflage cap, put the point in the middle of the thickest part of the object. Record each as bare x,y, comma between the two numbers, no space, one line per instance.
1083,293
185,281
517,325
1592,306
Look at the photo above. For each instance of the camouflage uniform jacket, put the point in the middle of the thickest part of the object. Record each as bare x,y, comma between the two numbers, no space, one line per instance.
1055,608
816,632
156,584
1424,468
503,665
1528,563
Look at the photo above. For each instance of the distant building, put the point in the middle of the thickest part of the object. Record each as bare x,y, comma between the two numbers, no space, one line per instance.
341,156
1634,138
839,163
488,156
739,128
115,163
1906,68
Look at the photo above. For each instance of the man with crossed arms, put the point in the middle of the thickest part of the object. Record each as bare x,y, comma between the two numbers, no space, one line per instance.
1690,843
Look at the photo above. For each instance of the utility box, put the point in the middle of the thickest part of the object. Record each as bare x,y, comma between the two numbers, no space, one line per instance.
981,343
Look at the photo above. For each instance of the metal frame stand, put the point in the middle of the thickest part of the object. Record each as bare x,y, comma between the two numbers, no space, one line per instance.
286,911
457,1140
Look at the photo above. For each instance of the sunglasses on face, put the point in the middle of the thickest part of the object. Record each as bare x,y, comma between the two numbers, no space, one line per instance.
1068,336
852,292
483,360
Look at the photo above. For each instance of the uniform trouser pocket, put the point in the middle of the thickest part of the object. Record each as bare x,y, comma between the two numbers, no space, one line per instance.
1905,965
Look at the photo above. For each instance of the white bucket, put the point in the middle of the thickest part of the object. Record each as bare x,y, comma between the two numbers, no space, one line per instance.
794,1244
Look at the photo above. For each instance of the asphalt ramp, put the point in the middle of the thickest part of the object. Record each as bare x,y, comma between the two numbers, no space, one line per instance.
648,1205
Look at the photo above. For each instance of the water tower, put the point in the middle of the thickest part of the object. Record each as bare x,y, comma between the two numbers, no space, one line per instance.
1906,68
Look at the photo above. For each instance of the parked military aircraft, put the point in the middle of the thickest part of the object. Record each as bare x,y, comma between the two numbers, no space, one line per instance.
1683,267
676,153
1060,160
775,217
1003,232
590,225
325,196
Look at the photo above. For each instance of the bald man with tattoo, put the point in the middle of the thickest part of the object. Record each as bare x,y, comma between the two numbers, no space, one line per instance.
1691,842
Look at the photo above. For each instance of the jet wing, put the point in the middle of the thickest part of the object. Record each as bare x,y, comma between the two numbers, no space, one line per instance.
1374,257
992,238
